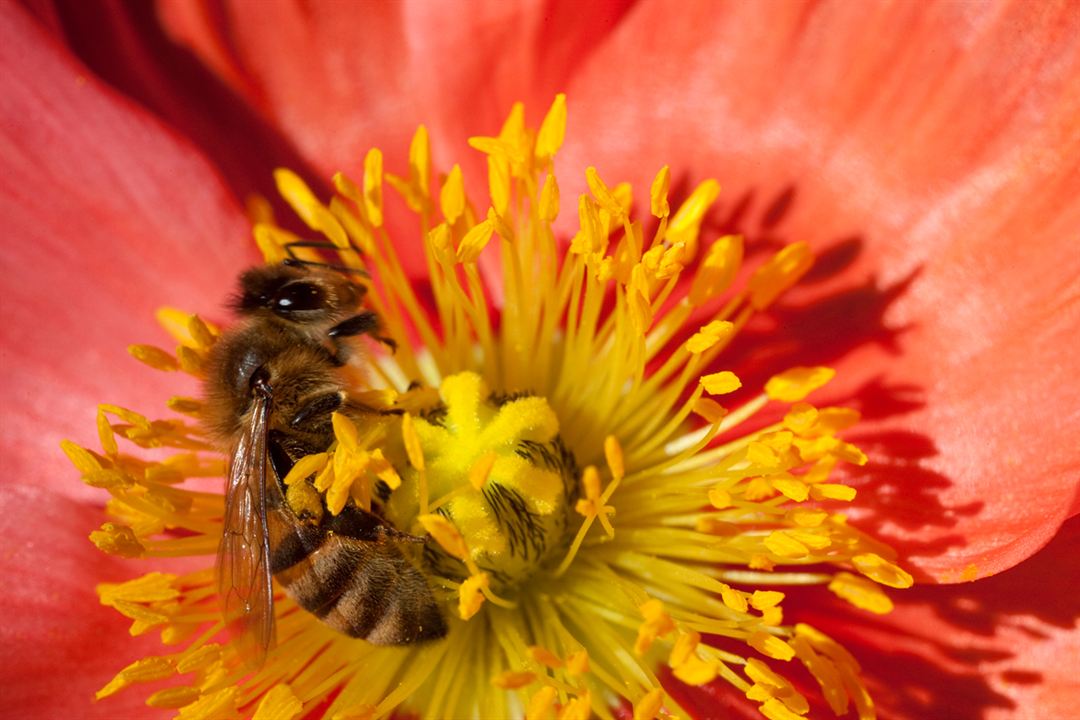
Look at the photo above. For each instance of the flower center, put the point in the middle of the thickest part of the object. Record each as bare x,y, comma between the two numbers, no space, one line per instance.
604,351
494,467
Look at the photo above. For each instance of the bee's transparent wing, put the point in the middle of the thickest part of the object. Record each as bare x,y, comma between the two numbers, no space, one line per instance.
244,580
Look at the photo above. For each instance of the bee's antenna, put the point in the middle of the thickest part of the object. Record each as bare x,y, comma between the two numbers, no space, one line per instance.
321,245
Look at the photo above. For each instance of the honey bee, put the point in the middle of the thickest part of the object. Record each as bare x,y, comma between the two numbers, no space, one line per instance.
272,385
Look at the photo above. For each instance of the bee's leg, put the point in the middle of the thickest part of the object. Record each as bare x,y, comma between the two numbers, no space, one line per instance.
394,534
318,406
365,323
362,324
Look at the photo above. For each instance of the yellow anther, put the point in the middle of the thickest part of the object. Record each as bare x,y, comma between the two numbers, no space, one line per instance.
513,679
189,360
813,538
420,160
442,244
549,199
579,708
734,599
882,571
445,534
471,594
834,419
185,405
173,698
775,709
545,657
279,703
267,240
718,331
861,592
696,671
106,435
155,357
325,477
849,453
552,130
777,275
795,384
614,455
804,517
201,334
761,455
577,662
592,505
452,196
685,645
199,658
719,498
345,431
373,186
591,238
384,469
764,599
762,674
709,410
791,488
314,214
658,193
781,543
832,491
721,383
542,704
601,193
686,223
306,466
150,588
825,672
220,703
717,270
657,623
116,539
481,470
771,646
649,705
348,469
757,488
144,670
475,240
672,261
801,418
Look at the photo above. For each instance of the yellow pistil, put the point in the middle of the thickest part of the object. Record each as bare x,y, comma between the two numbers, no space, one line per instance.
584,499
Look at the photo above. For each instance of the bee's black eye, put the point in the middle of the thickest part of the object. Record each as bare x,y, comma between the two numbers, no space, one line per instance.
298,297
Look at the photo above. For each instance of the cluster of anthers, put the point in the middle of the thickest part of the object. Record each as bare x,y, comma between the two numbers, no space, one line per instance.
593,512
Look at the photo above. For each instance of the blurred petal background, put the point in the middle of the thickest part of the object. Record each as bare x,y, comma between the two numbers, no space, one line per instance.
928,152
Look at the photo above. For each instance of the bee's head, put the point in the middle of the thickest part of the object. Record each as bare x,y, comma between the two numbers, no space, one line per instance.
297,293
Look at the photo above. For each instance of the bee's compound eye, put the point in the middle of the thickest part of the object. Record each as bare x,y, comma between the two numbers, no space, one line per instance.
298,297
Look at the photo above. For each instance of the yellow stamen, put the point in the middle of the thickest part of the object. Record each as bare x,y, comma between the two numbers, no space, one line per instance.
496,397
278,704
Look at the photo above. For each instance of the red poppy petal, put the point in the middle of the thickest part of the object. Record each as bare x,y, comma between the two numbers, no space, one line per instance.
342,77
1001,647
58,644
929,151
125,46
108,217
